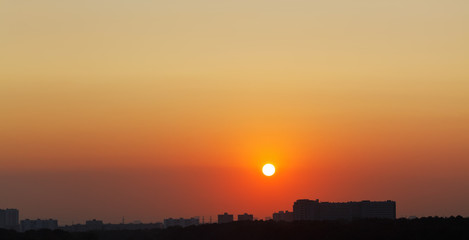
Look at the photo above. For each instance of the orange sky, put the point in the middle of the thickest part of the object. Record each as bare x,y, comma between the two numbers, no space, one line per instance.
170,108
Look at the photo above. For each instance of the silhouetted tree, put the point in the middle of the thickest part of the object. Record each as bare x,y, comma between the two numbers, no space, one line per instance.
423,228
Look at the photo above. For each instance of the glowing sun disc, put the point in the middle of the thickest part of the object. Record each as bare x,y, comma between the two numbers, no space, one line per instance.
268,169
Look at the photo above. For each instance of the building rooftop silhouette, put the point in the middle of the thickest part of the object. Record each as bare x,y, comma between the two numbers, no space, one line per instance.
39,224
283,216
181,222
225,218
245,217
305,209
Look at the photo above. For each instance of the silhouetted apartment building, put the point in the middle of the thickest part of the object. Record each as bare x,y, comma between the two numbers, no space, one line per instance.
305,209
283,216
384,209
225,218
334,211
245,217
9,219
181,222
94,225
38,224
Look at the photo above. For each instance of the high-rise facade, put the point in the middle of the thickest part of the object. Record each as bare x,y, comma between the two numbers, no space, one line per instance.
305,209
9,219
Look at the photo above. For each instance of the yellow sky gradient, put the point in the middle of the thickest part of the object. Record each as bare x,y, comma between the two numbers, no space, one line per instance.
370,85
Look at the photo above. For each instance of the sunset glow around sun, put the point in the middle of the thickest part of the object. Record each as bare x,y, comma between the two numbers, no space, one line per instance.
268,169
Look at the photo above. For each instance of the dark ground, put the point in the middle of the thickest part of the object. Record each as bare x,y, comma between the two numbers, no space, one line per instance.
423,228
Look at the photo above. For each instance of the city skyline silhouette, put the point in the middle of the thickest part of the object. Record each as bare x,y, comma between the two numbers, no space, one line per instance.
146,111
303,210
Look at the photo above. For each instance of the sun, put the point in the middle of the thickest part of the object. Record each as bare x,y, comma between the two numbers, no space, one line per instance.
268,169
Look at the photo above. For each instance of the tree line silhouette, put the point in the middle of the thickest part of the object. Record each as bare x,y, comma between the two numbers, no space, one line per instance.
415,229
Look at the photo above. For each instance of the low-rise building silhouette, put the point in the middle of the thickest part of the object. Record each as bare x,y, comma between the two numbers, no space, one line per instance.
245,217
93,225
9,219
225,218
282,216
181,222
38,224
305,209
132,226
97,225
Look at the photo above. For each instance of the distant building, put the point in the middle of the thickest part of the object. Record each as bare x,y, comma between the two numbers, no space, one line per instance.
38,224
245,217
283,216
305,209
94,225
385,209
74,228
181,222
225,218
334,211
9,219
132,226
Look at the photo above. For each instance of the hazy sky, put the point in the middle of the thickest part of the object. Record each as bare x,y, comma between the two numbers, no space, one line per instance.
153,109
